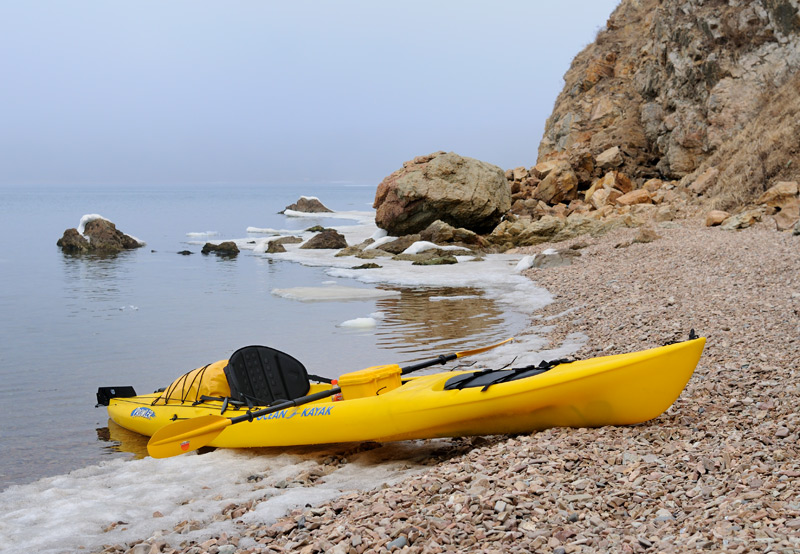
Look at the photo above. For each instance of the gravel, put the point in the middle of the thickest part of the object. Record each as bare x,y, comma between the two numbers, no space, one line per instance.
719,471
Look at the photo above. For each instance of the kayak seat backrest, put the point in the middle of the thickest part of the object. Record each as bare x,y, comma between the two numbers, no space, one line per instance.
491,377
260,375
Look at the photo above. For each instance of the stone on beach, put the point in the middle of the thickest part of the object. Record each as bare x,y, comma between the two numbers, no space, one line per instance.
329,238
460,191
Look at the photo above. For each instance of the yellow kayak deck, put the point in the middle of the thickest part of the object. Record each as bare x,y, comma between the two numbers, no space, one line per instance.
622,389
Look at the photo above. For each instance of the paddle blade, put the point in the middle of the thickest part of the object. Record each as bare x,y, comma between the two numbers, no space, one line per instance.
484,349
187,435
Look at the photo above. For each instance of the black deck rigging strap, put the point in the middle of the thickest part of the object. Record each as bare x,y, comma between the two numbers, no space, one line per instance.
488,377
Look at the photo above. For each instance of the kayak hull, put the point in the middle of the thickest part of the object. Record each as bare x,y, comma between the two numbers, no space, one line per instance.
623,389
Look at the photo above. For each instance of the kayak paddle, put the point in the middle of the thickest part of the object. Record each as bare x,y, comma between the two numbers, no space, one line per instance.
190,434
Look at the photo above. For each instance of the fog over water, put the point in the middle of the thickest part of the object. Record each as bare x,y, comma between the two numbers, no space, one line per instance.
280,92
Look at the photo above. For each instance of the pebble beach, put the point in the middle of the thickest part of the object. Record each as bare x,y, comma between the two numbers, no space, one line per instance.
718,472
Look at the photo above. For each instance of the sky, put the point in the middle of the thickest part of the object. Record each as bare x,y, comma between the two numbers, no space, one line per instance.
260,91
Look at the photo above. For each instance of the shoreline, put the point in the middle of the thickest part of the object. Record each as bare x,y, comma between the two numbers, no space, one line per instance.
717,471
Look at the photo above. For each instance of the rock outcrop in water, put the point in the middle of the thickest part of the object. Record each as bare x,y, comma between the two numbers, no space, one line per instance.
99,236
226,249
307,204
462,192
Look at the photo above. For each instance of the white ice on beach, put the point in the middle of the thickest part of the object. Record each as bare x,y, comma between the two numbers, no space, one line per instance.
360,323
380,242
82,510
423,245
202,234
525,263
269,231
355,215
336,293
121,501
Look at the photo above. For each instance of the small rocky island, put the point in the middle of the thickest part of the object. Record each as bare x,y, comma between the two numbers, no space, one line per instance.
99,236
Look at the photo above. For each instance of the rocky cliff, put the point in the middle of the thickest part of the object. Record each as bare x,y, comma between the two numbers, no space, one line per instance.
682,87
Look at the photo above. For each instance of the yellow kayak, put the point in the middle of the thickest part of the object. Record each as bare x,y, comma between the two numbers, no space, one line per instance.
380,404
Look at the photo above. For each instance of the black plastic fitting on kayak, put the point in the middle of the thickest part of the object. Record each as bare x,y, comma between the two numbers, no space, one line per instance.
442,359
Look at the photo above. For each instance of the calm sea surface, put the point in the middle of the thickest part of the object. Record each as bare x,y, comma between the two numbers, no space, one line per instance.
69,324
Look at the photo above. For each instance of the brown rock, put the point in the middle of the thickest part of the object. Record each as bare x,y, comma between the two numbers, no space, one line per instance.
610,158
287,240
665,213
308,205
778,194
742,220
705,181
99,235
440,232
652,185
789,213
604,197
611,180
400,244
227,248
716,217
543,169
519,173
73,242
460,191
329,238
638,196
560,184
275,247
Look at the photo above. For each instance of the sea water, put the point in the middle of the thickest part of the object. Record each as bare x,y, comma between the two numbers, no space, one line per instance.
72,323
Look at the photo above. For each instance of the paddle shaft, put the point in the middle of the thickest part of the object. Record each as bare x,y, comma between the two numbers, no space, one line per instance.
443,359
286,404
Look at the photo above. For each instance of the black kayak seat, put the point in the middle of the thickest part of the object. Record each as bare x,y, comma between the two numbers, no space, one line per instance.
260,375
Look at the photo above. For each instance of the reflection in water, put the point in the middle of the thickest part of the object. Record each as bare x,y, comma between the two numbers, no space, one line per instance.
122,440
95,278
424,320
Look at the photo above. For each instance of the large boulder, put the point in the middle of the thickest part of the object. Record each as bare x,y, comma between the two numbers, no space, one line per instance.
462,192
99,235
